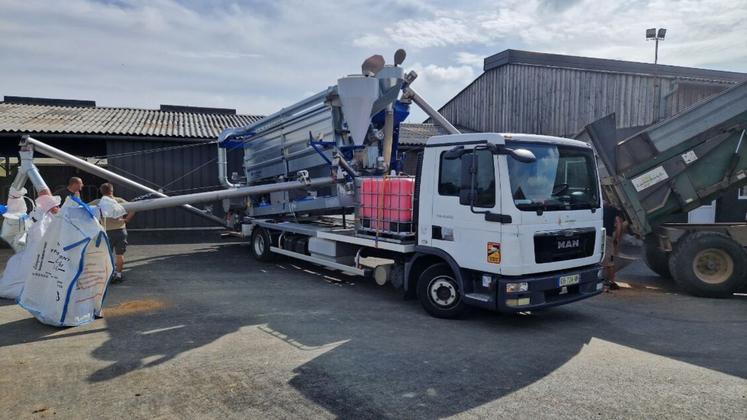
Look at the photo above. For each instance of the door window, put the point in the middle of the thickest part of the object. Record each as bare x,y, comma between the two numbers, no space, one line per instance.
449,176
449,179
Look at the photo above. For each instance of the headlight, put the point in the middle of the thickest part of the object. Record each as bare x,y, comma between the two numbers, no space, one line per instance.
517,287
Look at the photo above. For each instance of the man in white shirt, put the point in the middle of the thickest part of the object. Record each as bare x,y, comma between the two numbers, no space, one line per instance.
116,230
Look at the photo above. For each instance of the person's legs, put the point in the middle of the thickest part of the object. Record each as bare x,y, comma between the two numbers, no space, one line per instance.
118,241
119,263
609,263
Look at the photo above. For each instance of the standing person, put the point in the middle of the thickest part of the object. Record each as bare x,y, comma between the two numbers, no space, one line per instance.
116,230
613,225
74,185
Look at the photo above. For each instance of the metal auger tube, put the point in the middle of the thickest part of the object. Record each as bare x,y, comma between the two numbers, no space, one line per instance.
430,111
180,200
108,175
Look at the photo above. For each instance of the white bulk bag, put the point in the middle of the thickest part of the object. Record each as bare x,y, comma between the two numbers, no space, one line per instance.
71,268
15,220
15,227
18,267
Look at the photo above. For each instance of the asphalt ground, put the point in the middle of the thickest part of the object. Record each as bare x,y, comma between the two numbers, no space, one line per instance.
201,330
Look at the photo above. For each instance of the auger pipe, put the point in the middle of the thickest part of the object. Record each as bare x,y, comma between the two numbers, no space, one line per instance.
180,200
428,109
223,169
409,94
106,174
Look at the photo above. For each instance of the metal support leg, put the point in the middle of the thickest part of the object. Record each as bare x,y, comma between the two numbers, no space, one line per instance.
28,171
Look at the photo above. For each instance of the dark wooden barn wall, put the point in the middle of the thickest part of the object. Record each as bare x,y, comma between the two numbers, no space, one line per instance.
181,171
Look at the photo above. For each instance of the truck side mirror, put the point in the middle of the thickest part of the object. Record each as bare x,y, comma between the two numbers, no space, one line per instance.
522,155
455,153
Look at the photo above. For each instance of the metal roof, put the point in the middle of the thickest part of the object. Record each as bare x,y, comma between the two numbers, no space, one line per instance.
600,64
47,119
418,134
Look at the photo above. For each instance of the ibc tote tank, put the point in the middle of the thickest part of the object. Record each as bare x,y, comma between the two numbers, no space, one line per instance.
385,206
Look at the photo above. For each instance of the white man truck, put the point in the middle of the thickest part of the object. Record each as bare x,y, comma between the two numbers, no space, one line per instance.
505,222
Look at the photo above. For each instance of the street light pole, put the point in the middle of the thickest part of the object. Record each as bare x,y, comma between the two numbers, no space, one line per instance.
652,34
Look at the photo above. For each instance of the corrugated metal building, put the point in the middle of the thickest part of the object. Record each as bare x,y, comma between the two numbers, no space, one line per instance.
529,92
552,94
167,149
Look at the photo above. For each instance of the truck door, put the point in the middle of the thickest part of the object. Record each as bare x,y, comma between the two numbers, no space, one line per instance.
460,229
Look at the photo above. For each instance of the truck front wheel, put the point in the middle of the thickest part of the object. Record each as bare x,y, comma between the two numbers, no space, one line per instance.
438,292
709,264
260,244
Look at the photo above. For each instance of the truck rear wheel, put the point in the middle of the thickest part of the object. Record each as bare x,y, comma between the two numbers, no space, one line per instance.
260,244
656,259
438,292
709,264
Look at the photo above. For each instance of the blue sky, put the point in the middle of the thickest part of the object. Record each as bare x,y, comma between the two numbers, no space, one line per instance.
257,56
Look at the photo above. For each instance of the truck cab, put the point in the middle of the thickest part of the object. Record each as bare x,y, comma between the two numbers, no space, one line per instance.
516,218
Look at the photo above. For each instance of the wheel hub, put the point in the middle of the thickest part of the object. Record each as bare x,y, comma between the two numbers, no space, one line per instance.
713,266
442,291
259,245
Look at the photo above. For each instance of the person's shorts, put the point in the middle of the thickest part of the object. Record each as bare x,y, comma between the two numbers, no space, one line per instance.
118,240
608,260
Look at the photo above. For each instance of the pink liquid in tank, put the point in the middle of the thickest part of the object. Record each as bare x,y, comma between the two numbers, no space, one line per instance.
386,201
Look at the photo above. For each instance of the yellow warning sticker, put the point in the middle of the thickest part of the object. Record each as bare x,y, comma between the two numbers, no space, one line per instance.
494,253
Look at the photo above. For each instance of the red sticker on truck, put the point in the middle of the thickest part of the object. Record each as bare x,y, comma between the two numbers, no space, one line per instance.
494,253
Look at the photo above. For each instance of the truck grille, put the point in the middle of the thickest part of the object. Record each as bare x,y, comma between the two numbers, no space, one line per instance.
564,245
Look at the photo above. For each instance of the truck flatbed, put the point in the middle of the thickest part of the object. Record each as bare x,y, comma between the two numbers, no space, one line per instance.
340,234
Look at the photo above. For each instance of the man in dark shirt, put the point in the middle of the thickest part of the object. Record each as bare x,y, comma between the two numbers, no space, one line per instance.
613,225
74,185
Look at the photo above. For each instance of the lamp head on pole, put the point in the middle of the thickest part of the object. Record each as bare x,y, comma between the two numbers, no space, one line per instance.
652,34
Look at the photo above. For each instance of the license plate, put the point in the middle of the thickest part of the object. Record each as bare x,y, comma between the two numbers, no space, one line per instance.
568,280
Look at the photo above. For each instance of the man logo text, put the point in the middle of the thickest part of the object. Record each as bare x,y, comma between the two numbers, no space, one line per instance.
571,243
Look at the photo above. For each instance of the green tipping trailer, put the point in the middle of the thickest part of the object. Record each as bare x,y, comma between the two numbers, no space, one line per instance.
673,167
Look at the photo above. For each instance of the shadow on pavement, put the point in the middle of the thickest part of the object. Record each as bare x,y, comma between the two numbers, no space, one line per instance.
165,307
393,358
29,330
432,367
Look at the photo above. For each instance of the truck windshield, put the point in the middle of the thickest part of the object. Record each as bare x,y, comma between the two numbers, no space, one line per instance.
562,178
